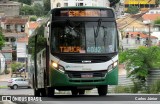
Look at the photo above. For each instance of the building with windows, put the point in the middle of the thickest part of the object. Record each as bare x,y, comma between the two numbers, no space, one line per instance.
133,40
65,3
142,4
13,29
9,8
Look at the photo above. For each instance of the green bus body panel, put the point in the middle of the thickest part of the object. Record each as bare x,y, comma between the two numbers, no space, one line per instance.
59,79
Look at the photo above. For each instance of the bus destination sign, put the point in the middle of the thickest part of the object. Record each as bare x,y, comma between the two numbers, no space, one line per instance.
84,13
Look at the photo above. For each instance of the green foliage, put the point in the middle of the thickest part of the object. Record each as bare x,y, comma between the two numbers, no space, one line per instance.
25,1
155,88
47,6
6,71
38,10
26,10
16,65
41,41
122,89
157,2
1,39
157,21
113,2
139,61
33,18
132,9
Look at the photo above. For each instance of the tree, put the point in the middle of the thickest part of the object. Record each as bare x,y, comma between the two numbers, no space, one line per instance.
15,66
26,10
132,9
47,6
140,61
157,3
38,9
25,1
33,18
1,39
157,21
113,2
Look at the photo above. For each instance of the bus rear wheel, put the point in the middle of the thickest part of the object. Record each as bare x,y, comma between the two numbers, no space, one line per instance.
102,90
36,92
74,92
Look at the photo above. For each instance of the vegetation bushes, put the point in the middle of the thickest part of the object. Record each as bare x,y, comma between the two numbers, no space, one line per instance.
155,87
15,66
122,89
6,71
138,63
132,9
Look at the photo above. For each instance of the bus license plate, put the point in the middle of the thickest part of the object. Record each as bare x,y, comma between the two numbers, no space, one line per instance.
86,75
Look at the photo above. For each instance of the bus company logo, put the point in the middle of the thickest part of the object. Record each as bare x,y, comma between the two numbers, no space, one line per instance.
6,98
67,66
74,66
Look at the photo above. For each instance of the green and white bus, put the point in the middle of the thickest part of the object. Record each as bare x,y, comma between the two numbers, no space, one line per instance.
78,52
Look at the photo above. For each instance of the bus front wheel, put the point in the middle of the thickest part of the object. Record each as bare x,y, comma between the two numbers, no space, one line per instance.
74,92
50,91
102,90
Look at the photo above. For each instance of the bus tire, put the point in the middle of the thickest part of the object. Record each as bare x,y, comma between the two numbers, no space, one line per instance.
81,92
74,92
102,90
36,92
43,92
50,92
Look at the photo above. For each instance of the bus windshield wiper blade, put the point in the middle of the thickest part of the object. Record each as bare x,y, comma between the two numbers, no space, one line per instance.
98,27
97,30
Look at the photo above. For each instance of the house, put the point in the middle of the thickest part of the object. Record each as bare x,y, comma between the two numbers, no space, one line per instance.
13,29
133,40
31,26
149,19
142,4
9,8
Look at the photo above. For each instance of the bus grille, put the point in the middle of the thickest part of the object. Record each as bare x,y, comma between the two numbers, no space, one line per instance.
78,74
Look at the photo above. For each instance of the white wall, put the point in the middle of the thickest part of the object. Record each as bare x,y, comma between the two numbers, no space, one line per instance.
2,63
103,3
21,50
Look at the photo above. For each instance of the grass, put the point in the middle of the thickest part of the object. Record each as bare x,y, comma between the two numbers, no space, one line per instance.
1,87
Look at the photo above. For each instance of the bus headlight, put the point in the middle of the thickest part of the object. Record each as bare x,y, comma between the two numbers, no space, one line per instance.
55,65
58,67
113,65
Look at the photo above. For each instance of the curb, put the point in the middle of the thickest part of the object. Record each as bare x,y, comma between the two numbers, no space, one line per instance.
7,102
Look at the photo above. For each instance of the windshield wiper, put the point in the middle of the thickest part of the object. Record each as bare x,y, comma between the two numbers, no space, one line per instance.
97,30
105,33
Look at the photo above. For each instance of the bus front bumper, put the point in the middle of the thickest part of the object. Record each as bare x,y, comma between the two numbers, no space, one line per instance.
58,78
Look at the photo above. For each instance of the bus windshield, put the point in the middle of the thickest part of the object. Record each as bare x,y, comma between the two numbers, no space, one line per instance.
83,37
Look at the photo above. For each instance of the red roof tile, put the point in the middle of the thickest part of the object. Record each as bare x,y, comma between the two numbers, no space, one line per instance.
15,21
151,17
142,35
33,25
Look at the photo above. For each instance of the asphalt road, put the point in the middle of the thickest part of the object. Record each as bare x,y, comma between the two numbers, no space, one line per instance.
91,98
19,91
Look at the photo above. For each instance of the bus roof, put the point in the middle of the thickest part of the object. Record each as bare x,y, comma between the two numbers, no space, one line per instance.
83,7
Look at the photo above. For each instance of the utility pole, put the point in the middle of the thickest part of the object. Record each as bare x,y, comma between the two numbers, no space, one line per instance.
149,33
